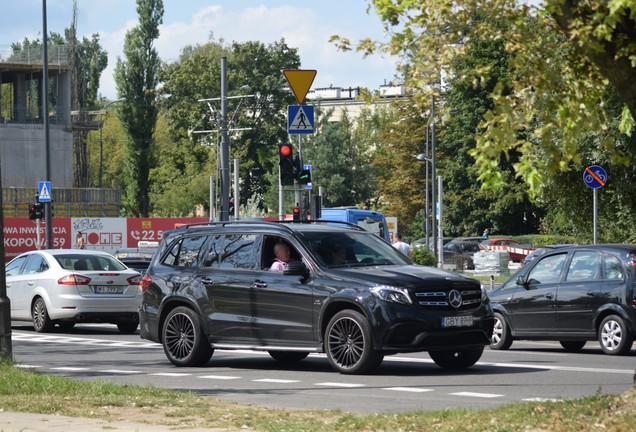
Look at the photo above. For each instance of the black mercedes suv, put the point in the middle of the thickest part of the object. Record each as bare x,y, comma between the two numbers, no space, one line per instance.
210,286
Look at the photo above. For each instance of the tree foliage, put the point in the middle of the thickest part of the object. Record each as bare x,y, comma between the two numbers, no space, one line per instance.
469,209
256,123
549,104
88,61
136,78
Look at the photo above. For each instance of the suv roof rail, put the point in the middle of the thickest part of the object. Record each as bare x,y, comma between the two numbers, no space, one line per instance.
278,223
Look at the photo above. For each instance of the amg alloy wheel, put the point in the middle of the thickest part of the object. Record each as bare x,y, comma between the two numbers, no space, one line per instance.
349,344
184,342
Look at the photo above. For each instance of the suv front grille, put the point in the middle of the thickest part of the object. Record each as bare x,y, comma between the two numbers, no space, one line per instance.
439,297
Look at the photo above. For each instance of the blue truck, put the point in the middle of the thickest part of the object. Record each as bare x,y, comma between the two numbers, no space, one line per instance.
371,221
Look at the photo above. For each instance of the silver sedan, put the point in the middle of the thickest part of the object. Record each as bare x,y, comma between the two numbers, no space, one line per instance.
69,286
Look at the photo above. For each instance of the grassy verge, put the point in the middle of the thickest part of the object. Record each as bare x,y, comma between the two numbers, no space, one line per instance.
29,391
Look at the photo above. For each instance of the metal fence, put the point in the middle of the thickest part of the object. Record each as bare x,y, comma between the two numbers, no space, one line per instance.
66,202
57,55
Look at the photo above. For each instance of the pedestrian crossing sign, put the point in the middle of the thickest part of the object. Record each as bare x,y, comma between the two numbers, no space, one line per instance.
300,119
44,191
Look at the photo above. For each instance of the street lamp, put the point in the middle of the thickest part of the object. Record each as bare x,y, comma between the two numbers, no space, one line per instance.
101,144
433,161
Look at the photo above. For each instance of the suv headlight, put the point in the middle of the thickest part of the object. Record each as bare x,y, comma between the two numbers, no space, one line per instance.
392,294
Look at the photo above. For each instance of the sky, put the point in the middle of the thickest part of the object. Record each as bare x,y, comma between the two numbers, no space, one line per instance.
304,24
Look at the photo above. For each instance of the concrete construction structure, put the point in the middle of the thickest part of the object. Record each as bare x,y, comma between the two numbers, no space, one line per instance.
22,135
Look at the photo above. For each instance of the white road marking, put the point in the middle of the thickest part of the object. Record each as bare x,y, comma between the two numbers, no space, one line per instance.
344,385
170,374
477,395
120,371
272,380
220,377
409,389
72,369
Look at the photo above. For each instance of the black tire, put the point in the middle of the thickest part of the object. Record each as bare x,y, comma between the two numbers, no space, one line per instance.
457,359
614,336
184,342
66,325
349,344
288,356
501,337
42,323
127,327
572,346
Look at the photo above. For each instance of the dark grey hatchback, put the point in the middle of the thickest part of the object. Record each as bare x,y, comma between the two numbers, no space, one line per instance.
210,286
571,295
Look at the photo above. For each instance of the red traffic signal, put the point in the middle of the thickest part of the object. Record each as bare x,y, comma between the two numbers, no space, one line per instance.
286,162
296,213
32,209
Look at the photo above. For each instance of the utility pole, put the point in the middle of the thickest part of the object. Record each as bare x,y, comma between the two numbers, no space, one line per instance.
45,112
224,214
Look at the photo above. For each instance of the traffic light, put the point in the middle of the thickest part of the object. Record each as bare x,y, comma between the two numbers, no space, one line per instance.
296,213
39,210
286,162
36,211
231,206
304,177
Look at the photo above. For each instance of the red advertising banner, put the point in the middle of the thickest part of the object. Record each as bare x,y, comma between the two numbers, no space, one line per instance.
152,229
107,234
21,235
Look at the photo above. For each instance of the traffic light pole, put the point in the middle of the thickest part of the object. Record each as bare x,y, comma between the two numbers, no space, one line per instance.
297,191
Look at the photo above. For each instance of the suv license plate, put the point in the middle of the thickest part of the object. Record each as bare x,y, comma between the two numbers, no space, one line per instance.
107,289
458,321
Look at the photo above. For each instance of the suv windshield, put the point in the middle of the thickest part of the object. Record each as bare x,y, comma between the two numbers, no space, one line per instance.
351,249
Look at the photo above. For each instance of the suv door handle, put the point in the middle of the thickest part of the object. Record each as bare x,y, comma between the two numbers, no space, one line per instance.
207,280
259,284
549,296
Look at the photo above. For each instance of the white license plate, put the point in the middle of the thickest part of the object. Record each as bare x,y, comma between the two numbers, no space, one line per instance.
458,321
108,289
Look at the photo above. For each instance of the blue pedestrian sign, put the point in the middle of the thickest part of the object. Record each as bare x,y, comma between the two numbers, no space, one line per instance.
44,191
594,176
300,119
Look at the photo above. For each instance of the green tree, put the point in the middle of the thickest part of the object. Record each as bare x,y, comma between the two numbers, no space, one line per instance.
136,79
88,61
469,209
593,41
401,177
257,124
341,162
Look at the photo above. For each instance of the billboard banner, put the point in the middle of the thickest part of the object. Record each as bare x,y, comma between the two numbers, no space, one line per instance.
104,234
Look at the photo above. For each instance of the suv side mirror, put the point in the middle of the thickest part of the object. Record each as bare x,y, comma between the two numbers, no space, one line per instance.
296,267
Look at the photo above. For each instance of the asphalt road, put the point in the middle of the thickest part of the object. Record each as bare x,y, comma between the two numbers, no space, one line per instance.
529,371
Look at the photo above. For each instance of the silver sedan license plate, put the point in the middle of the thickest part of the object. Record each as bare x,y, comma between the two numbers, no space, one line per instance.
108,289
457,321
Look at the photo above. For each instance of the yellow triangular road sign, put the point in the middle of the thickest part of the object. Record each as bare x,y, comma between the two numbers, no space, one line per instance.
300,81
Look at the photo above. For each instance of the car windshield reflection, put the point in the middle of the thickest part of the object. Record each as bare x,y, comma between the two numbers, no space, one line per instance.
351,250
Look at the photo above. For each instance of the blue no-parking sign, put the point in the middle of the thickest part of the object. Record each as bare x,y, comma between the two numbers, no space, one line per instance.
594,176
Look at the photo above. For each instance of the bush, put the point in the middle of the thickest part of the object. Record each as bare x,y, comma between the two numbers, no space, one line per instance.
423,256
538,240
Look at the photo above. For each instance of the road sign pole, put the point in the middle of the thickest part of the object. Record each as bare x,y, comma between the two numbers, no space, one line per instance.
595,210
